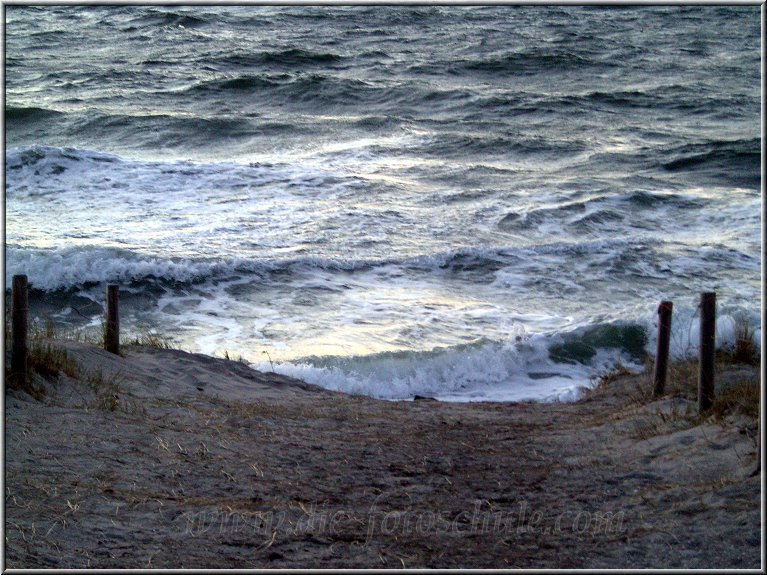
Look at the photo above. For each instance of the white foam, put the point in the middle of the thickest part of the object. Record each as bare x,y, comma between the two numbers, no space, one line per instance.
173,207
51,269
363,269
685,327
491,371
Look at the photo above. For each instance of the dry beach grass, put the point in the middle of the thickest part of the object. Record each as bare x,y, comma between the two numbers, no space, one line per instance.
165,459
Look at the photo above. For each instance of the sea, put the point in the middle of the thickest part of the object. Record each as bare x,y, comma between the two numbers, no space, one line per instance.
472,203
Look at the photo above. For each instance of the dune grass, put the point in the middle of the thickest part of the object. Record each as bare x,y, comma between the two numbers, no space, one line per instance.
45,359
737,393
744,350
48,360
152,340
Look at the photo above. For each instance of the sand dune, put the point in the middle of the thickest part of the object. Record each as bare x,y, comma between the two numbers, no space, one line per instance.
168,459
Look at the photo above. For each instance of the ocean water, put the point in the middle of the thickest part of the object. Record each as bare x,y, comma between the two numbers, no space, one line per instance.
473,203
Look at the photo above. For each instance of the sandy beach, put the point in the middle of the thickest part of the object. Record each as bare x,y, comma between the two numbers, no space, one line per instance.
166,459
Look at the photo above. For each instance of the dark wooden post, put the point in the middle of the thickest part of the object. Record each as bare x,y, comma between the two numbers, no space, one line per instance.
112,332
758,448
664,338
19,328
707,350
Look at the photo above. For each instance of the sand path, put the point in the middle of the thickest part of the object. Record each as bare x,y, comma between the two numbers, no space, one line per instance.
187,461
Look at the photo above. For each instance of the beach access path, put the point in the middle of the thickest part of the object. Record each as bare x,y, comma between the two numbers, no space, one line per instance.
166,459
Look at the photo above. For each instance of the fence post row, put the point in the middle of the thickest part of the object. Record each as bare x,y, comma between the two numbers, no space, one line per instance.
707,350
661,354
112,337
112,332
19,325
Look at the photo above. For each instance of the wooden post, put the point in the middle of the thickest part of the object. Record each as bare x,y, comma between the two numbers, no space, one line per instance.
756,471
707,350
661,354
112,332
19,327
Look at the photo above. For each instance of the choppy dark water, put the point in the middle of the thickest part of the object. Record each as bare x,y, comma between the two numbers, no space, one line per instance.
394,200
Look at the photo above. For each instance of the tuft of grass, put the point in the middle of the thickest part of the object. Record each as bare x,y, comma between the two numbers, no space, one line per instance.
106,390
49,360
270,360
601,384
662,422
151,340
744,350
27,384
44,359
45,329
740,398
239,359
736,395
606,379
682,378
647,429
737,388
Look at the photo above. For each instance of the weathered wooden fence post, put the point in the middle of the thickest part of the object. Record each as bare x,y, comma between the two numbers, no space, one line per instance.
19,328
661,354
112,332
707,350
